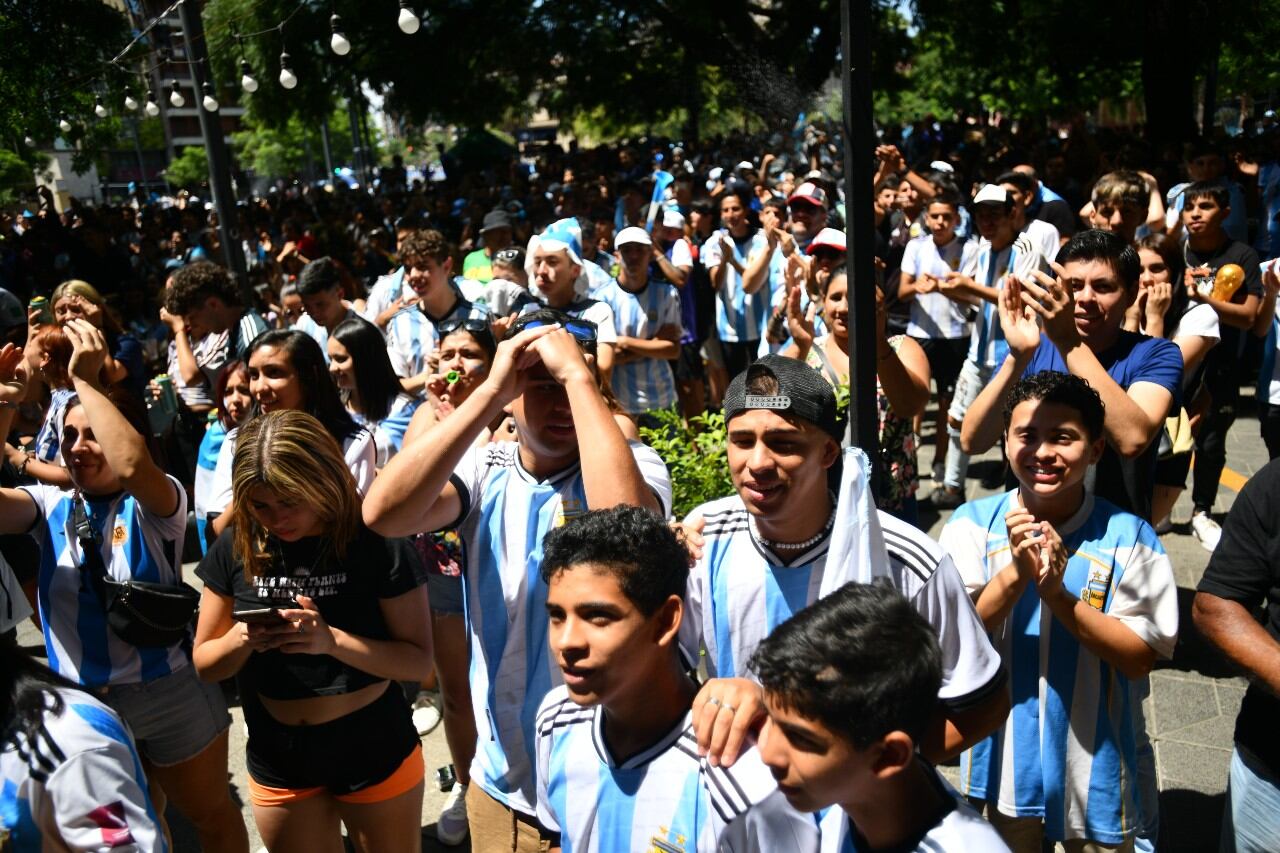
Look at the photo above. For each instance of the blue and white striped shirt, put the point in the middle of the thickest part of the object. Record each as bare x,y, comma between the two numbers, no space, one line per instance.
136,545
663,798
319,333
77,785
645,383
1068,752
506,514
739,315
388,433
987,346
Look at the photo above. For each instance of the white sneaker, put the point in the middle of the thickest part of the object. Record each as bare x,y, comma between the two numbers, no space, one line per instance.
1206,530
426,716
451,828
1164,525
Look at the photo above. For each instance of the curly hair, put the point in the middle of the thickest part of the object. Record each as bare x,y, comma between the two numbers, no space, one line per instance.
632,544
420,245
1051,386
195,283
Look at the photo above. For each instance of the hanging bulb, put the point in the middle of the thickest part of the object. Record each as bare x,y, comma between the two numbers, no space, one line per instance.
99,110
209,102
287,78
130,102
29,142
407,21
64,125
339,41
175,95
152,108
247,82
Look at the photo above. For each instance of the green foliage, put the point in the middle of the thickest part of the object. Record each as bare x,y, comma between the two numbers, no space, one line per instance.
54,56
16,175
188,169
281,151
695,454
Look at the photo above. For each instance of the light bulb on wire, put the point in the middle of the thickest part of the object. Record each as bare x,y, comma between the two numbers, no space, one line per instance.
209,102
152,108
338,41
64,125
30,143
175,95
130,102
247,81
287,78
408,22
99,110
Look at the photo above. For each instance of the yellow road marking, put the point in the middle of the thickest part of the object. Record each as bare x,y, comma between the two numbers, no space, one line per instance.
1233,480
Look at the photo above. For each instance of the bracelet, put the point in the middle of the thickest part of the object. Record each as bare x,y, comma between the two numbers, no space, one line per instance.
22,469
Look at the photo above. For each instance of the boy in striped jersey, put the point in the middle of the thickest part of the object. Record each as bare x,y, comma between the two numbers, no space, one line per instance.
646,314
1080,598
503,498
784,541
618,767
849,683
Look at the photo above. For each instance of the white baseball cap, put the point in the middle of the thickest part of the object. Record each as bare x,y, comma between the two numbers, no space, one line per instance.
632,234
991,194
672,218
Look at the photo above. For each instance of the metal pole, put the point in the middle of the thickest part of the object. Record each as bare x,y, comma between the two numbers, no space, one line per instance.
357,154
137,149
855,77
328,152
215,147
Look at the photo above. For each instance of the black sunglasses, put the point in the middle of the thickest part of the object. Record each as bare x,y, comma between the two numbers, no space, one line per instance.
471,323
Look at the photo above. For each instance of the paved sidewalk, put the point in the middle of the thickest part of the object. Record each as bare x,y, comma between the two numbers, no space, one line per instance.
1190,714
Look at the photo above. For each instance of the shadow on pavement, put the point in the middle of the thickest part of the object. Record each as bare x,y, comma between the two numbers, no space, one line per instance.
1189,821
1193,652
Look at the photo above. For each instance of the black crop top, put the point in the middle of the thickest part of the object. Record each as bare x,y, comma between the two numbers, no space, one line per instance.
346,592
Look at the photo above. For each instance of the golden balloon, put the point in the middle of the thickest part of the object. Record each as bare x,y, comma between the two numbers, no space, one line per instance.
1227,281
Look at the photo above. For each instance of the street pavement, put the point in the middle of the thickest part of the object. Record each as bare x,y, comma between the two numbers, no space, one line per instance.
1190,713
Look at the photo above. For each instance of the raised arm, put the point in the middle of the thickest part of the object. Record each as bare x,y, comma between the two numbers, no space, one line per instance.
413,493
125,450
982,425
610,474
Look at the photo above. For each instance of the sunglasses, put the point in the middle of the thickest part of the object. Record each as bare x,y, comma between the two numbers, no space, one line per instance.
470,323
583,331
508,256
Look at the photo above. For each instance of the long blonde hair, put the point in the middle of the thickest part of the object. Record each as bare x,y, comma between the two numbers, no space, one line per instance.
291,453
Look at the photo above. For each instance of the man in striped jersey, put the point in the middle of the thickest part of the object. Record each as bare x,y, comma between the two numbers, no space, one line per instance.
618,766
784,540
646,316
206,298
849,682
502,499
738,258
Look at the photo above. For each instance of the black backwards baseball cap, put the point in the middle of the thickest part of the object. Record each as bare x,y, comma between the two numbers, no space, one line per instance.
802,392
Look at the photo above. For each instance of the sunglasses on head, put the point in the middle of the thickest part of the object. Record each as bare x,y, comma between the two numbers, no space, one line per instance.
583,331
508,256
470,323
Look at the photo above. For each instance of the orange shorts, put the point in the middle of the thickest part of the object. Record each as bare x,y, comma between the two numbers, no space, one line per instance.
410,772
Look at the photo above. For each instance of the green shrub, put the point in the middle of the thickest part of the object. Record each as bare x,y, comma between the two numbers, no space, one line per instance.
695,455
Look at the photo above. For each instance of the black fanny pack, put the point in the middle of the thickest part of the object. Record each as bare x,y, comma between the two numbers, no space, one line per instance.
140,613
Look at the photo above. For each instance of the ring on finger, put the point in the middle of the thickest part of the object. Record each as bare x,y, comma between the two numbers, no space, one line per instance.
728,707
713,701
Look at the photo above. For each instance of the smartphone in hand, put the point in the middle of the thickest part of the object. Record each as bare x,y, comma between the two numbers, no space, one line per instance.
258,616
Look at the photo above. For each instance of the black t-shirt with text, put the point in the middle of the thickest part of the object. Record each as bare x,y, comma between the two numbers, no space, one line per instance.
346,590
1245,568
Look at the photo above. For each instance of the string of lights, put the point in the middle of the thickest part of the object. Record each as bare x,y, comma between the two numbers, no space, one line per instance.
226,37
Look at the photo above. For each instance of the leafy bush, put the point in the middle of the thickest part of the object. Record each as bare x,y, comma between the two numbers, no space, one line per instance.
695,455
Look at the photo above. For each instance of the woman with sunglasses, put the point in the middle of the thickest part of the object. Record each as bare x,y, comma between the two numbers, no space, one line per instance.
127,519
287,371
317,617
368,384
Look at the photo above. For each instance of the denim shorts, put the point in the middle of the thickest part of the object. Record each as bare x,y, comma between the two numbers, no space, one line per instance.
173,718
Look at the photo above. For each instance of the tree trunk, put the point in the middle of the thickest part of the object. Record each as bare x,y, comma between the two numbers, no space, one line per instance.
1167,77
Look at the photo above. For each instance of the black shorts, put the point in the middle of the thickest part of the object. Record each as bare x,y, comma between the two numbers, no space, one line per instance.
344,755
946,356
689,366
1172,471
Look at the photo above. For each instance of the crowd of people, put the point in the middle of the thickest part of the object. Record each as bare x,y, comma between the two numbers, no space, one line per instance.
407,453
